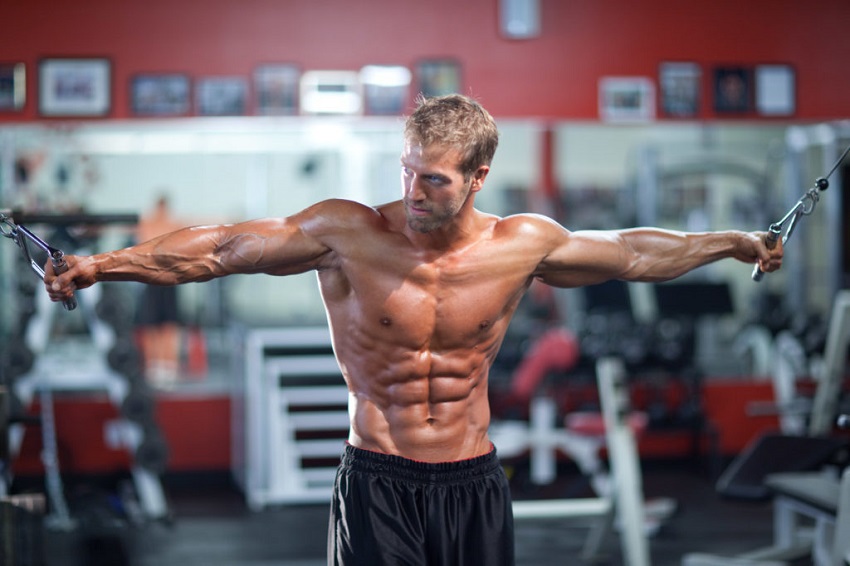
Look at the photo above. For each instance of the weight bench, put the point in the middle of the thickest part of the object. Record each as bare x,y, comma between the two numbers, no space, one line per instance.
823,498
811,517
791,469
774,453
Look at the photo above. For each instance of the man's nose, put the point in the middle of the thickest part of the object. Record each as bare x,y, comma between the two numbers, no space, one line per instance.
414,188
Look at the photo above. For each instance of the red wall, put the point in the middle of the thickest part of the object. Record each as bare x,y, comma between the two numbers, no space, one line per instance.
554,75
198,431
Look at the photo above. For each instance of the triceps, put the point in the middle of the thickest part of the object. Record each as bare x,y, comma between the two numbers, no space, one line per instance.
586,258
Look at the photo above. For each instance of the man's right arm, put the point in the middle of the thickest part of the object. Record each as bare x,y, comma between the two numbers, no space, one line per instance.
273,246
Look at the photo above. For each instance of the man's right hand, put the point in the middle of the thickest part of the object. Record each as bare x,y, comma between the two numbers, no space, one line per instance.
61,287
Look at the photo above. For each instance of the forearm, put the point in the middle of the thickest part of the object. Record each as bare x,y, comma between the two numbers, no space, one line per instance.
190,254
659,255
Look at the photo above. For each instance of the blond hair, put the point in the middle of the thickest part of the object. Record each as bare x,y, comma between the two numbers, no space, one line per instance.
455,121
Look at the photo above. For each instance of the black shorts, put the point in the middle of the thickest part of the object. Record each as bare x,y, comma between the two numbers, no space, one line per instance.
391,511
158,305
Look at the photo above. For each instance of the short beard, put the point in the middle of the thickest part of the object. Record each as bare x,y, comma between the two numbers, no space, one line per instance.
427,224
424,225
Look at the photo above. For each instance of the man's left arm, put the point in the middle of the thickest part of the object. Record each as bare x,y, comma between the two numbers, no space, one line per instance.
649,254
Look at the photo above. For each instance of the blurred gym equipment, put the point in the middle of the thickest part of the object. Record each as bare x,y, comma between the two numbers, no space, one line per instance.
619,498
39,361
21,531
807,475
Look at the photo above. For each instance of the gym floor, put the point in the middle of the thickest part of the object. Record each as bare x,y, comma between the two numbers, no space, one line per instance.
212,526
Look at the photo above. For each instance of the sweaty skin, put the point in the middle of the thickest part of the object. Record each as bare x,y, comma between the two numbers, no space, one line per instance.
418,292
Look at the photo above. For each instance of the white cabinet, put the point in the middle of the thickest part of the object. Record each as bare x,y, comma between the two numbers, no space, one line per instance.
289,417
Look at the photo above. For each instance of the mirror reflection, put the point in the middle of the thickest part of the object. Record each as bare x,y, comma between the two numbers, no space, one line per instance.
686,176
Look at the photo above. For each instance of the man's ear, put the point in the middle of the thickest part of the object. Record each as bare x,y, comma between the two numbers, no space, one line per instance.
478,178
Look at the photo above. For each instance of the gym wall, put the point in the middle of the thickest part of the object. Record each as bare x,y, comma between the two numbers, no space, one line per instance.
554,75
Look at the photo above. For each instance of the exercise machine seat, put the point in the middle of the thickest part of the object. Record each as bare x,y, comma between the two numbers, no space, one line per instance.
774,453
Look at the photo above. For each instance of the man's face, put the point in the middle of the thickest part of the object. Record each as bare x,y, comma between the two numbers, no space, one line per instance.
434,190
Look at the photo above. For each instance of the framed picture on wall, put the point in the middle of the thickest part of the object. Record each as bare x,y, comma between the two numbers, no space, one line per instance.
160,95
437,77
680,88
12,86
221,96
733,90
74,87
386,89
276,89
775,90
626,99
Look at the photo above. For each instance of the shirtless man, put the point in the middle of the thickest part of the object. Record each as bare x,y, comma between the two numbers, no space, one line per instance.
419,294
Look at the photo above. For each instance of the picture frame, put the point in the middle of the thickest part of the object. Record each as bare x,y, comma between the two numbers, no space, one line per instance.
74,87
733,90
386,89
276,87
626,99
331,93
12,86
160,94
775,90
680,84
519,19
221,96
438,77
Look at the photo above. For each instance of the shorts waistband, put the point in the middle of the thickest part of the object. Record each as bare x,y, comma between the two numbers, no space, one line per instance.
357,459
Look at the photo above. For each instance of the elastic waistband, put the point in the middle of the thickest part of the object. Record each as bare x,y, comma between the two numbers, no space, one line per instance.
357,459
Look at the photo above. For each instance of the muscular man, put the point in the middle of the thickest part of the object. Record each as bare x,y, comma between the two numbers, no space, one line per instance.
419,293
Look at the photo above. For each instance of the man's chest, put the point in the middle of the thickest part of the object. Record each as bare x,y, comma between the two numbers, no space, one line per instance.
426,303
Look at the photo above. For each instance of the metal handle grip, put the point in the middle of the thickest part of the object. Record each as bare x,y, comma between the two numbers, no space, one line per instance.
773,234
60,266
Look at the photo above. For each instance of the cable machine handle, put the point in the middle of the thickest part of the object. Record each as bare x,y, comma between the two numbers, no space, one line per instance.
770,240
57,258
21,235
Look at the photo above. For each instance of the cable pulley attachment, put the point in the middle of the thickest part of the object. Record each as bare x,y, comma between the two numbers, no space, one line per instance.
803,207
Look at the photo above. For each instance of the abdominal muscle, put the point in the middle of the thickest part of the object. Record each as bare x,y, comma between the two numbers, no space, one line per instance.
431,418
